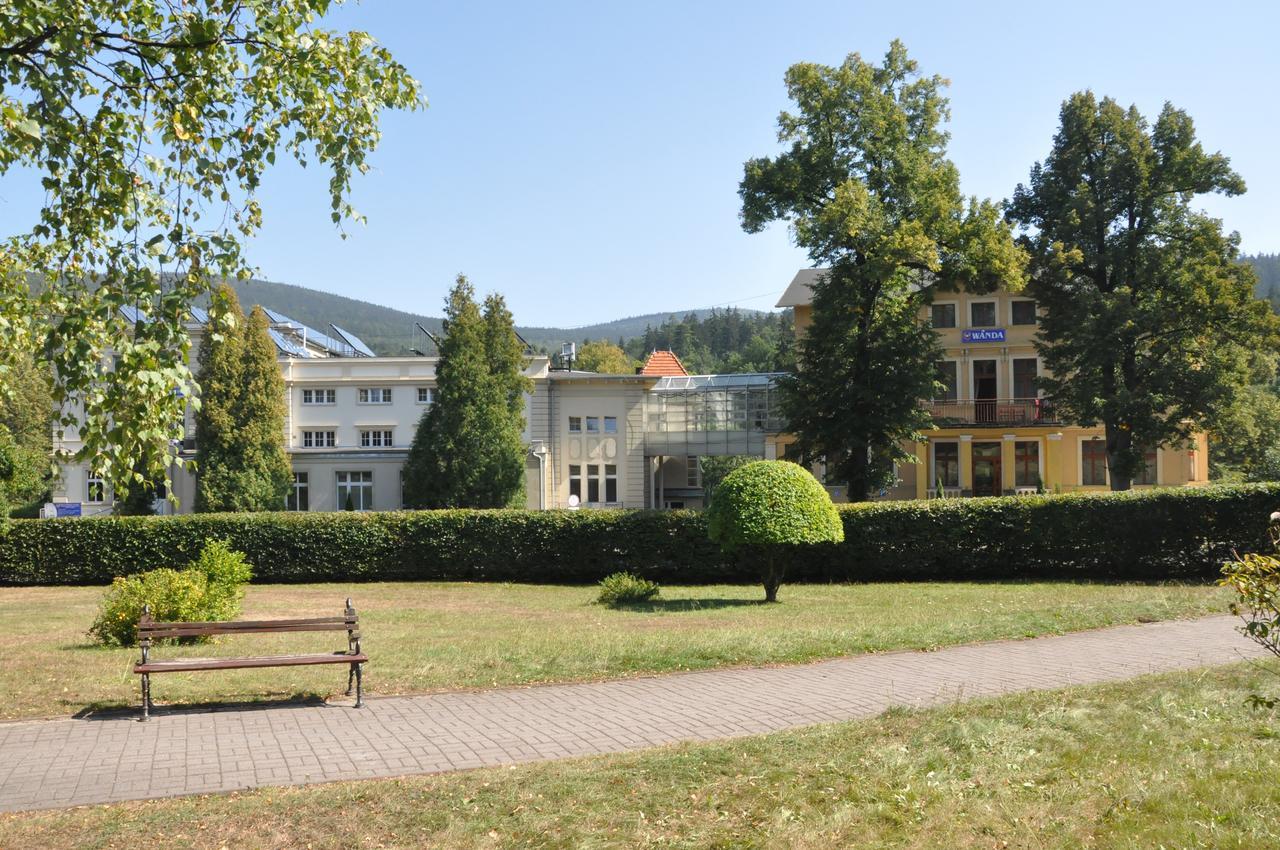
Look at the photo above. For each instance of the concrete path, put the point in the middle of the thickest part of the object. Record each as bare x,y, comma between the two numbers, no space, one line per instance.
52,763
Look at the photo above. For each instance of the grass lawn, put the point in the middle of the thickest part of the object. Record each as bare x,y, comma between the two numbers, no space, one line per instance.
423,636
1175,760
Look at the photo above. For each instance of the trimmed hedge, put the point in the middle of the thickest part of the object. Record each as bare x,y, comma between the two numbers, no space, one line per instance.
1163,534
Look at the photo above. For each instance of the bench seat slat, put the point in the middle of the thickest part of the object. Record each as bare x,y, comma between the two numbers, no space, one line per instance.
218,630
176,665
156,624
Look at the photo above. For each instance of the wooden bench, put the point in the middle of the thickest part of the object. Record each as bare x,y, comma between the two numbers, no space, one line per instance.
150,630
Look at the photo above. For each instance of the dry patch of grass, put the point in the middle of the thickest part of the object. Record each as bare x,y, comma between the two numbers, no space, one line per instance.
1176,760
425,637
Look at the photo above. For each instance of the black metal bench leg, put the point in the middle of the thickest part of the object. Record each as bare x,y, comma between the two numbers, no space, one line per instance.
146,696
351,677
359,691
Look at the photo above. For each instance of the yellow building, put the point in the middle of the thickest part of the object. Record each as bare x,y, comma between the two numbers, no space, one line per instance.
994,432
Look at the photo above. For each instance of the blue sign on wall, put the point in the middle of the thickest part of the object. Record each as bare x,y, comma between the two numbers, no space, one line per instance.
982,335
67,508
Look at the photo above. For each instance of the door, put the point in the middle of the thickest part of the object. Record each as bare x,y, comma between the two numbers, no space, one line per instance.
986,469
984,390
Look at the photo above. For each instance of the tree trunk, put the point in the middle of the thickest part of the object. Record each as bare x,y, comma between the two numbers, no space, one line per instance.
858,486
1119,441
772,576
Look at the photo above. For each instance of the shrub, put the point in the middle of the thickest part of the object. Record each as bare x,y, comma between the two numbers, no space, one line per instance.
625,589
768,510
210,588
1256,581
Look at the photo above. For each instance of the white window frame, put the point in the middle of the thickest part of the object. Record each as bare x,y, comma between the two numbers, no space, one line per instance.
692,471
95,480
365,395
1106,467
575,475
301,484
594,474
430,393
995,313
320,396
933,465
610,424
1039,459
1013,383
955,304
984,354
575,420
1035,312
363,485
590,422
959,378
377,438
327,439
611,478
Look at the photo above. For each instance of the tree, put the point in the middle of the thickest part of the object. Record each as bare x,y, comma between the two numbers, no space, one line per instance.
26,412
771,510
604,357
468,450
241,463
150,126
1149,319
869,192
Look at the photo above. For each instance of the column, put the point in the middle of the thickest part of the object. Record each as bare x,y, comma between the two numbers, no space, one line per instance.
922,469
966,464
1053,482
1008,477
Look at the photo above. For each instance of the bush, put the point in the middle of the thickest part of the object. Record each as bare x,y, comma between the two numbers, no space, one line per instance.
770,510
1256,581
210,588
625,589
1166,534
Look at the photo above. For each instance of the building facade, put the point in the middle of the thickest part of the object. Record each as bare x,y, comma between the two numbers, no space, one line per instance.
994,432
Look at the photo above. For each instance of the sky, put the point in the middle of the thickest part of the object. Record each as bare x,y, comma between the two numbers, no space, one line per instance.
583,159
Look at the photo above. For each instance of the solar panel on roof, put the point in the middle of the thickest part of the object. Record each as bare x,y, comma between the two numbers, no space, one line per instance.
132,314
290,348
200,315
353,340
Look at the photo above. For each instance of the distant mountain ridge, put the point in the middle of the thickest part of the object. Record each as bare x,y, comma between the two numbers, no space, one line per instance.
389,331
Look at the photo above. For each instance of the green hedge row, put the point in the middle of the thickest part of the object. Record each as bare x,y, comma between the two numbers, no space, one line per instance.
1176,533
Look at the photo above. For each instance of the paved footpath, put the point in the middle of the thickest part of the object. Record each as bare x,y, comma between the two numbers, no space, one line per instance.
51,763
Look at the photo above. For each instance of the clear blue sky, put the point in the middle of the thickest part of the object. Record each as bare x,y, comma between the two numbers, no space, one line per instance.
583,158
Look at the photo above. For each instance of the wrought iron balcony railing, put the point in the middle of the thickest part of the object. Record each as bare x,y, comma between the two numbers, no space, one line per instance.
994,411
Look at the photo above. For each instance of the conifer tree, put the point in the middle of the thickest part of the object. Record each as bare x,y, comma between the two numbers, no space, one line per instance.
468,450
241,464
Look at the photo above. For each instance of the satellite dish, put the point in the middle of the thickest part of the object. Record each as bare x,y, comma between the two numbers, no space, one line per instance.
574,501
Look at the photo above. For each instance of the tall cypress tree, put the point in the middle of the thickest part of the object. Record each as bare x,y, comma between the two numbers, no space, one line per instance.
468,450
241,464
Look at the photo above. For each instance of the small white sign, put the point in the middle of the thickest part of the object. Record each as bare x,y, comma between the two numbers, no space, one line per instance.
574,501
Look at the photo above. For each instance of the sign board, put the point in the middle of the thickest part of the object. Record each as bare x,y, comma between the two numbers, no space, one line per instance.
982,335
574,502
67,508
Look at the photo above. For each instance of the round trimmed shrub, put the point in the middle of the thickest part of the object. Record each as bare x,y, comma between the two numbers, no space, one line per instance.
770,510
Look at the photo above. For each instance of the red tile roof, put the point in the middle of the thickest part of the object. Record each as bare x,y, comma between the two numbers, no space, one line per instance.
663,364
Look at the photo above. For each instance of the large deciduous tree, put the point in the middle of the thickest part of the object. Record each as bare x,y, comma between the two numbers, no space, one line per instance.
241,463
468,451
869,193
149,125
1149,321
604,357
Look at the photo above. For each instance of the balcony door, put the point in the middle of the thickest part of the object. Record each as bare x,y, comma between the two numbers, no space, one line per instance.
986,469
984,390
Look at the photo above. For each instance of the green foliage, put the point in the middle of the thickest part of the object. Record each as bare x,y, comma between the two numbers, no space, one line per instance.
26,416
209,588
1150,323
240,444
869,192
769,508
625,589
150,127
1161,534
604,357
722,341
1255,577
469,449
1266,267
714,468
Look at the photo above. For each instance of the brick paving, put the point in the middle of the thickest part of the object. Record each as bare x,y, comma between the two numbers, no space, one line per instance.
53,763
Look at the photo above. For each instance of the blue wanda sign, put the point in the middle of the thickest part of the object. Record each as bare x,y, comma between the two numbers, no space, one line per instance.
67,508
982,335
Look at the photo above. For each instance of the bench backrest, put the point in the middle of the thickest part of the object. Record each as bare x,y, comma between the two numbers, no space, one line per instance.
149,629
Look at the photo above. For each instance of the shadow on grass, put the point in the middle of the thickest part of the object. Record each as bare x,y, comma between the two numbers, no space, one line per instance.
115,711
657,605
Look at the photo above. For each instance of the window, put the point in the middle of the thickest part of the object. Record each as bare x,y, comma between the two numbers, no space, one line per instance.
1022,313
1147,475
575,424
318,439
1093,461
691,470
611,483
946,465
322,396
943,315
575,480
593,424
95,489
1026,464
426,395
355,491
593,483
375,439
1024,377
982,314
374,395
298,498
947,377
611,424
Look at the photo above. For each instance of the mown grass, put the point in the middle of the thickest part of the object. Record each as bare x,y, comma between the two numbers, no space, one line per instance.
1170,761
423,637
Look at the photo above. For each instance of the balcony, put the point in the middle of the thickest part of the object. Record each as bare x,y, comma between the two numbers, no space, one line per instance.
993,412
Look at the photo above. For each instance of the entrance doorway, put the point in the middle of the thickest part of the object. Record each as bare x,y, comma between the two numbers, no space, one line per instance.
986,469
984,390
